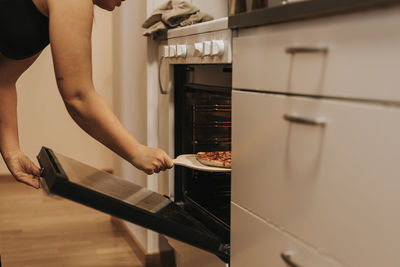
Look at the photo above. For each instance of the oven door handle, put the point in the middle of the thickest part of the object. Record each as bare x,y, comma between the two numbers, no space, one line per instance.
159,77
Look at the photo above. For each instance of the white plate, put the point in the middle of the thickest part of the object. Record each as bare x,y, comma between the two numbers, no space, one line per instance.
190,161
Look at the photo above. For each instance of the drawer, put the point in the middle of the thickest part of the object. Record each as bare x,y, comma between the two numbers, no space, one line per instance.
355,55
256,243
335,185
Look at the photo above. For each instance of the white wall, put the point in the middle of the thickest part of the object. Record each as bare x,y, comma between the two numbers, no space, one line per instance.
155,241
136,95
43,119
216,8
130,99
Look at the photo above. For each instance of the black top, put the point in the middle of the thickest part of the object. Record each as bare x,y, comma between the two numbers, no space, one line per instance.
24,31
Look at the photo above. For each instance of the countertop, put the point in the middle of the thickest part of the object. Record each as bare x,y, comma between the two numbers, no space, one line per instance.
303,10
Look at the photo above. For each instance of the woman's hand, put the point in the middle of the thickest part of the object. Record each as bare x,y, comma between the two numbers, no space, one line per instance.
22,168
151,160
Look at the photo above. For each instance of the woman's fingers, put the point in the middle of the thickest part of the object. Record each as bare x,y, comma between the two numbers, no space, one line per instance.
32,175
29,180
152,160
168,162
34,182
23,169
149,171
162,162
35,171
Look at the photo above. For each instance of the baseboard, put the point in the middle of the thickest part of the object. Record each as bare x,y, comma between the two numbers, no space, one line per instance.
161,259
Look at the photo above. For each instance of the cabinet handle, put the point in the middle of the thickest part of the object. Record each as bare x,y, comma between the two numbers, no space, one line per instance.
287,257
303,120
159,77
306,49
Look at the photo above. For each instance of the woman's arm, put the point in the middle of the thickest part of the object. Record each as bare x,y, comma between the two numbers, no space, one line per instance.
70,37
9,142
20,166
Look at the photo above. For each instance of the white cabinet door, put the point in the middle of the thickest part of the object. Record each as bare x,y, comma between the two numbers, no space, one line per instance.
256,243
334,185
355,55
189,256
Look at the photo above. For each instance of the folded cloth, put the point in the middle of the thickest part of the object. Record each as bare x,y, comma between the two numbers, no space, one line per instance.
172,14
157,14
180,11
158,26
196,18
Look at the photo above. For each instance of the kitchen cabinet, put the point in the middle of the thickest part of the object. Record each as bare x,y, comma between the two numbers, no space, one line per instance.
315,157
260,243
355,55
319,181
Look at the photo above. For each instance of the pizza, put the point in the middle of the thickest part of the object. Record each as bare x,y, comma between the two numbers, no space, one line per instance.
215,159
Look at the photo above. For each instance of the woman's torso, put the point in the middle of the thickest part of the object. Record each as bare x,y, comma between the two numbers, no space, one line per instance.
24,31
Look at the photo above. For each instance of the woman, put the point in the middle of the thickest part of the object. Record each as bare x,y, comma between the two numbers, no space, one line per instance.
26,28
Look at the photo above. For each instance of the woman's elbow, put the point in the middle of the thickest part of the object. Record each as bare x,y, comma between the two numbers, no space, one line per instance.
75,99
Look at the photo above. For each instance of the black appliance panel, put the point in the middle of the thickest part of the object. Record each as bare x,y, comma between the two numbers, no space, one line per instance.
86,185
203,123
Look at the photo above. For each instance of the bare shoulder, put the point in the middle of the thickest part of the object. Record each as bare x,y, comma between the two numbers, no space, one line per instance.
83,6
70,14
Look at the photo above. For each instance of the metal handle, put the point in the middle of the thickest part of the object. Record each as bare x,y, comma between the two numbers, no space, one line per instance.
287,257
310,121
306,49
159,77
285,2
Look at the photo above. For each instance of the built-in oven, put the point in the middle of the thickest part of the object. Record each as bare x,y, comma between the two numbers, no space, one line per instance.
198,95
203,124
195,96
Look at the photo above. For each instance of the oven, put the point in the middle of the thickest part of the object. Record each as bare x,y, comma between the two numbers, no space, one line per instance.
195,86
203,123
194,109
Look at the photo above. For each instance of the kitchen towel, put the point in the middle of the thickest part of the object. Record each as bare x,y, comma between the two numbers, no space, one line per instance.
173,14
196,18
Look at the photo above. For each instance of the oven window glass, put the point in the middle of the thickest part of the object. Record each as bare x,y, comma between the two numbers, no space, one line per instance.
203,123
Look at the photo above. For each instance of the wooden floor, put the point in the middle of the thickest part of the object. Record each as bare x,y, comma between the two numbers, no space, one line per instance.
36,230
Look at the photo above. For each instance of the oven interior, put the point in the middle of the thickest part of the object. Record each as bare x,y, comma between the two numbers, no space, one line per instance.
203,123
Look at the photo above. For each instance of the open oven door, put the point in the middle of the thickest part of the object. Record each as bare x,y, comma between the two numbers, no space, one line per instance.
120,198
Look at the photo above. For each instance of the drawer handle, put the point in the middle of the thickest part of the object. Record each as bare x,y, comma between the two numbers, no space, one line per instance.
303,120
287,257
305,49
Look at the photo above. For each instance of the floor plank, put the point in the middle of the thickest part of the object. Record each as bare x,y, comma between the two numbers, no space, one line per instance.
40,231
